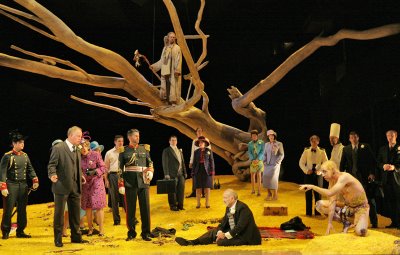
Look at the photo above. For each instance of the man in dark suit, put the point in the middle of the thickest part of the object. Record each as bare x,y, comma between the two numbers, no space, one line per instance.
64,170
359,161
237,227
174,168
389,175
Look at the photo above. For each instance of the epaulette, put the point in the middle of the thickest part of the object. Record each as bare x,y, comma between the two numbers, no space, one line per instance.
306,148
322,149
146,147
8,153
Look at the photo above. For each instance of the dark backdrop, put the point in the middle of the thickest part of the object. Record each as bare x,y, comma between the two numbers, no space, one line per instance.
355,83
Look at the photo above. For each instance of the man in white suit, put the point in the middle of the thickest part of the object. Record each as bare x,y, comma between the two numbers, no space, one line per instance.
310,162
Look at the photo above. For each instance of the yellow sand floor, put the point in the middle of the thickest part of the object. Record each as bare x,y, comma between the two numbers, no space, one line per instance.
40,219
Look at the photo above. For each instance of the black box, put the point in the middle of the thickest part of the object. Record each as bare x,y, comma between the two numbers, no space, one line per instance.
166,186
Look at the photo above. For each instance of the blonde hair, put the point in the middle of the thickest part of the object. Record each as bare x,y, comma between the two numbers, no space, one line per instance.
330,166
232,193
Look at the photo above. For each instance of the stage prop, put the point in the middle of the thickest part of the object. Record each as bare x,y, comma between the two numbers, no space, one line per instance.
275,210
227,141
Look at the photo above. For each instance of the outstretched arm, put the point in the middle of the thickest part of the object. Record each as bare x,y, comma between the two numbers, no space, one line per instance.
342,181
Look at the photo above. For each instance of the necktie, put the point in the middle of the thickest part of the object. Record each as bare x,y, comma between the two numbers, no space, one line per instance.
73,148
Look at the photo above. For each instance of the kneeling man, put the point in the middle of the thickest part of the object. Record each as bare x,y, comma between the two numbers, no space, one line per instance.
347,199
237,227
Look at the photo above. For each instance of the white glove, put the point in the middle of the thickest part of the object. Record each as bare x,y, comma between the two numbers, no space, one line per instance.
121,190
4,192
149,175
167,177
35,185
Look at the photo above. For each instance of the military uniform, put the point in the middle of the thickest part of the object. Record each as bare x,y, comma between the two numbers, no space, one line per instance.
135,162
15,168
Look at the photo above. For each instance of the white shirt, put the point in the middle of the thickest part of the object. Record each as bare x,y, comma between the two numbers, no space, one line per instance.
308,158
336,154
111,160
70,145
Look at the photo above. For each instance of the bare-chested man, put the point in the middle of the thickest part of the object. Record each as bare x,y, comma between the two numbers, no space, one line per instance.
347,199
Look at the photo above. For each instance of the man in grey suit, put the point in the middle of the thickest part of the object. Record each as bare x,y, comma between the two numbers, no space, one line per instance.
64,170
174,168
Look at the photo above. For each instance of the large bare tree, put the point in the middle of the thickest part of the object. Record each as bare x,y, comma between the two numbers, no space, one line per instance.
227,141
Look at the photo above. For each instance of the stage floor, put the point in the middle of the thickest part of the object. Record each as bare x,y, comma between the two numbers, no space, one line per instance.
40,219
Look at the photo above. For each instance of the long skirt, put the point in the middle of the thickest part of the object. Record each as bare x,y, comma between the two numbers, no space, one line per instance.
271,176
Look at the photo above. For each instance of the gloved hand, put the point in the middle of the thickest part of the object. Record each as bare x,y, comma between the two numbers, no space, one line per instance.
35,183
149,175
167,177
3,188
121,187
4,192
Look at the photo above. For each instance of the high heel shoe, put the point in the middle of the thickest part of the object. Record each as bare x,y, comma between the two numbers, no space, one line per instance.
90,232
197,207
207,206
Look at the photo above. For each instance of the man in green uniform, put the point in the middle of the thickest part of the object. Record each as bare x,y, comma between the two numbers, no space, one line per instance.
137,167
15,167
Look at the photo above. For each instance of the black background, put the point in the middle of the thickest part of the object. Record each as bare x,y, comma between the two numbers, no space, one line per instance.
355,83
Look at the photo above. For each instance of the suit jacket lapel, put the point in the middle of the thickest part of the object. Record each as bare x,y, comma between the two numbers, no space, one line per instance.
173,152
70,154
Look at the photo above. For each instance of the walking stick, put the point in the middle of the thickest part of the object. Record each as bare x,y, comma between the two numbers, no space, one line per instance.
16,205
136,58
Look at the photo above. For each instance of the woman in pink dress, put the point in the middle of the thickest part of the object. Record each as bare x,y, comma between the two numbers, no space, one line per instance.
93,191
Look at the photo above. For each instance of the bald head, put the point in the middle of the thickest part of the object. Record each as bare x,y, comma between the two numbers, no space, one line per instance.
230,197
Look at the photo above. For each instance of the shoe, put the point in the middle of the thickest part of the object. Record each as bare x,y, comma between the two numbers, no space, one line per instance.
101,234
58,244
116,223
79,241
258,194
253,192
131,235
174,208
146,237
197,207
23,235
6,235
191,195
90,232
182,241
181,208
207,206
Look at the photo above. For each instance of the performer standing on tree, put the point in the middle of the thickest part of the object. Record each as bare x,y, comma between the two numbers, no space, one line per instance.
137,167
15,167
256,157
170,65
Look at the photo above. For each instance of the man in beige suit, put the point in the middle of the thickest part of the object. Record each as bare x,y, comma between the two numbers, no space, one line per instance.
64,170
170,65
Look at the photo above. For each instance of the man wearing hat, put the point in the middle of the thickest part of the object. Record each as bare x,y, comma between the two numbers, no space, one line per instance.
15,168
334,134
310,162
255,149
137,167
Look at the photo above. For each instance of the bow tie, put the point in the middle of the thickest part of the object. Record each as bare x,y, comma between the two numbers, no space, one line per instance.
313,150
